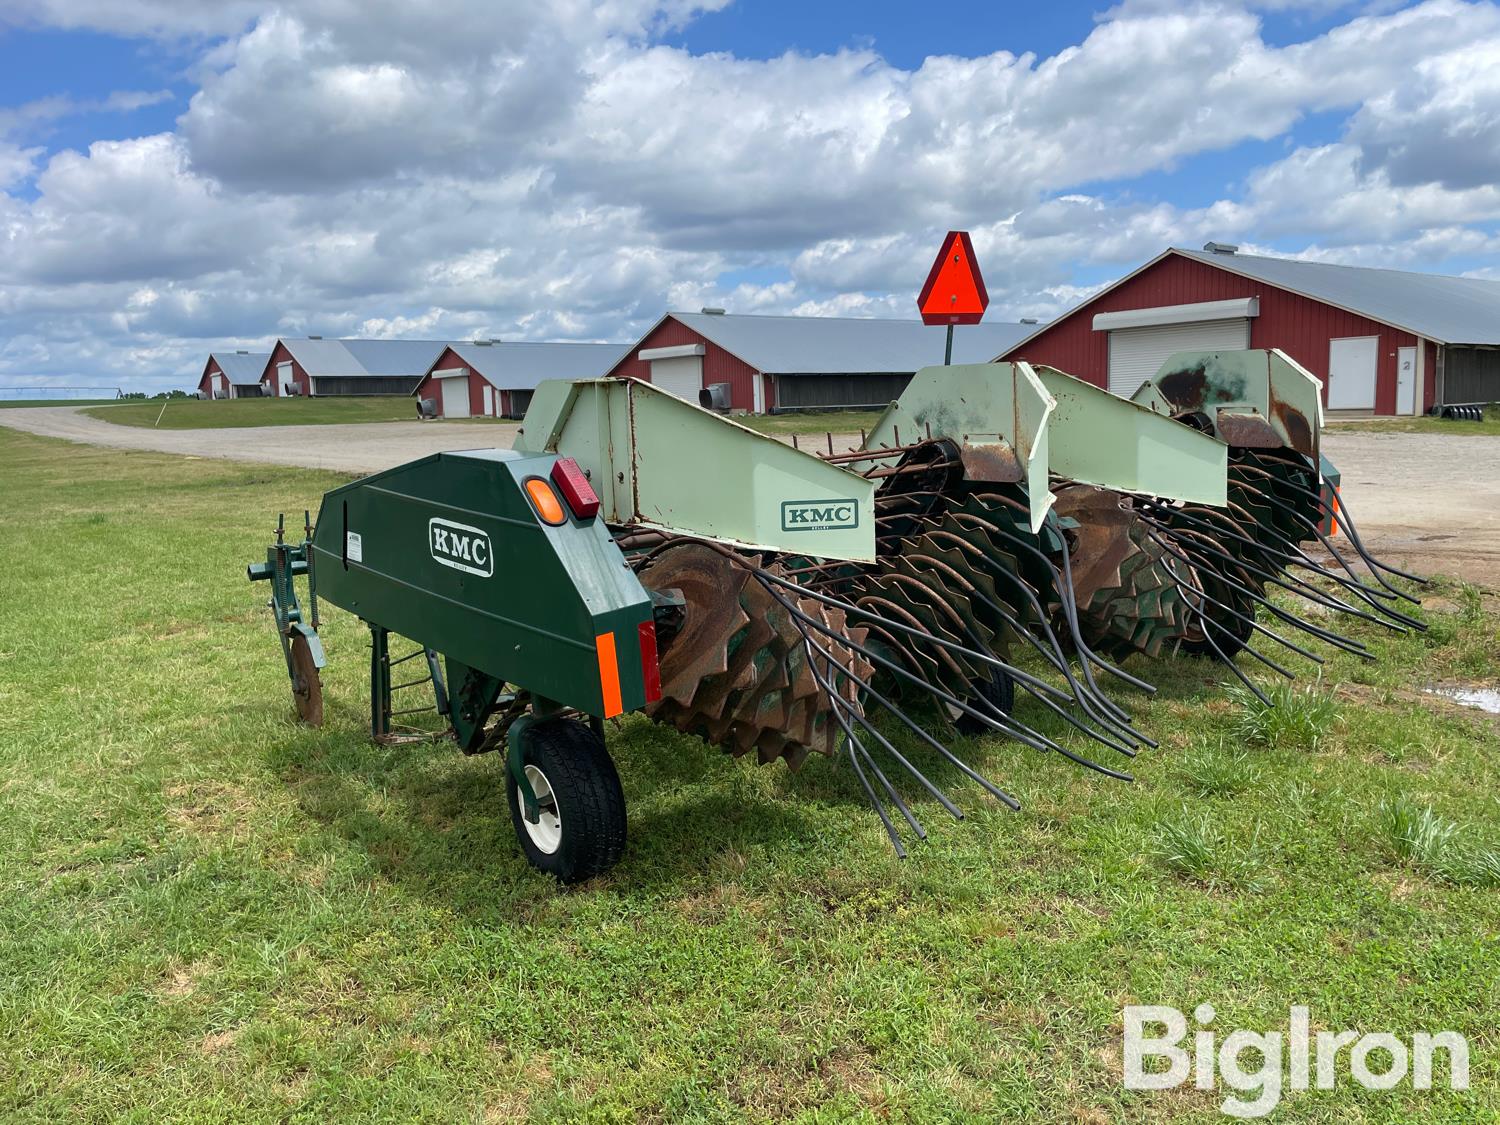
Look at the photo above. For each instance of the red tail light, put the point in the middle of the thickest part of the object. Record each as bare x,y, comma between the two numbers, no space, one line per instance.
649,668
575,488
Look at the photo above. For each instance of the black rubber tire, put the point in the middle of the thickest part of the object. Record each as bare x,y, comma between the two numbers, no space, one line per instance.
590,801
999,691
1238,631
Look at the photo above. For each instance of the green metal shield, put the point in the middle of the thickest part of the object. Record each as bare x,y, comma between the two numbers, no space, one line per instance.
662,462
1102,439
996,413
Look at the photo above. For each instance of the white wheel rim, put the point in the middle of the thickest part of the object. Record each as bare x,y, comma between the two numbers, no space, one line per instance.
546,833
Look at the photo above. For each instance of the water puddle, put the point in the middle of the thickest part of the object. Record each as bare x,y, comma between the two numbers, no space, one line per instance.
1484,699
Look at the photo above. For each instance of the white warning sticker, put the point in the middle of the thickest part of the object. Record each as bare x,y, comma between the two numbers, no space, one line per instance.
354,546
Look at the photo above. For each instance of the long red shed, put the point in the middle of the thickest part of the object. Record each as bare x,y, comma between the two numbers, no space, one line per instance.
1382,341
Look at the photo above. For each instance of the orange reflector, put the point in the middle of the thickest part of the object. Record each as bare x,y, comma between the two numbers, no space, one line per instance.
609,673
1333,516
545,501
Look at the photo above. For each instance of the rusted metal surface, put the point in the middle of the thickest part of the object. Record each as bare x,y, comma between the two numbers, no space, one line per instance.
1248,430
1229,388
737,673
1129,599
1101,541
995,462
710,588
307,686
1300,433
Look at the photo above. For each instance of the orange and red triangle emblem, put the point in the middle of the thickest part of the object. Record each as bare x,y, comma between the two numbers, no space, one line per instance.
954,293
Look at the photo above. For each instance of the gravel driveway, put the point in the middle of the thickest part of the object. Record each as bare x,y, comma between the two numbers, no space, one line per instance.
1426,501
363,448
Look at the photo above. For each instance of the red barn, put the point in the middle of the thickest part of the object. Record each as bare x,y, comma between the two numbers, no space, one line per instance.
495,378
315,366
232,375
770,364
1382,341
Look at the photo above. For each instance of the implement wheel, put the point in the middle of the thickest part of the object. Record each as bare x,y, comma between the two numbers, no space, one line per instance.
999,691
307,687
580,829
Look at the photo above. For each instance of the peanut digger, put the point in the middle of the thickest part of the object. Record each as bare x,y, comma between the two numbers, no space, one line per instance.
1003,540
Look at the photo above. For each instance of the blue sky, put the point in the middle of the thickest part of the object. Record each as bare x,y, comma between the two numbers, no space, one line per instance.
176,176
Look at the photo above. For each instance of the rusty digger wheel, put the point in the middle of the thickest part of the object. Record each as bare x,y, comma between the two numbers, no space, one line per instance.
580,829
307,687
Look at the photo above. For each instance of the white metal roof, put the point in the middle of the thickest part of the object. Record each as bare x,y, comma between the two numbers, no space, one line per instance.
241,367
1450,310
825,345
521,365
321,358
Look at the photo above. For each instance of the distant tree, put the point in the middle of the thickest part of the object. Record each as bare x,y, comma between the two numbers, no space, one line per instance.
134,394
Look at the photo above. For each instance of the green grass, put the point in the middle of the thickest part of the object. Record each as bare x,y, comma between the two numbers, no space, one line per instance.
1438,846
211,913
1297,716
201,414
816,422
1194,846
1424,424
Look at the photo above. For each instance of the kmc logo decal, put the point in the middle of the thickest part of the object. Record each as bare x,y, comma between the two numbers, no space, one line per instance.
819,515
460,546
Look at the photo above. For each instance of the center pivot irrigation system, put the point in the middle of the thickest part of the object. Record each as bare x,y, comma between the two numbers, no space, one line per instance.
1003,540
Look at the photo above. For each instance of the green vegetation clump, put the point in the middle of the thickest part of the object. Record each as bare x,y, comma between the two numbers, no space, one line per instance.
1298,717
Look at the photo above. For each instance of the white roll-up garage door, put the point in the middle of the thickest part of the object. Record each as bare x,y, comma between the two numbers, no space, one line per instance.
453,392
679,375
1136,354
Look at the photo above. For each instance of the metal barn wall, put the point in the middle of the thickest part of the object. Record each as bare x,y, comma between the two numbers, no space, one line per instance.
816,392
205,383
1298,326
1471,375
333,386
719,366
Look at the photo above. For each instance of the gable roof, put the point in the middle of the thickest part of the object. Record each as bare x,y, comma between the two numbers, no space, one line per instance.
364,357
521,365
395,357
241,367
828,345
1450,310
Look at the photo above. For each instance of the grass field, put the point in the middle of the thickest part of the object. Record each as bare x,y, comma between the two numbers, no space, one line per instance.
191,414
811,422
210,913
201,414
1423,424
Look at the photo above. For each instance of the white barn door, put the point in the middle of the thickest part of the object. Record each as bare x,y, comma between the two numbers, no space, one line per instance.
1406,380
679,375
455,398
1136,354
1351,372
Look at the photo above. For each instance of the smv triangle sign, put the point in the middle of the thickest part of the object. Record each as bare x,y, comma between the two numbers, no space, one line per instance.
954,293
